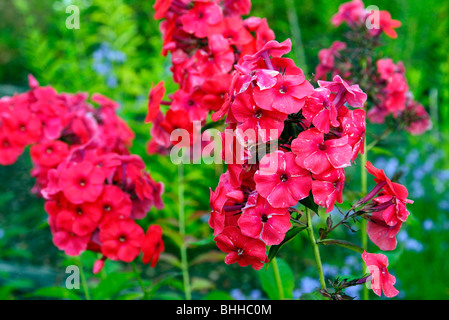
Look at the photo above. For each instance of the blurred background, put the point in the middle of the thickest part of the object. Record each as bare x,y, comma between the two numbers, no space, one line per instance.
116,52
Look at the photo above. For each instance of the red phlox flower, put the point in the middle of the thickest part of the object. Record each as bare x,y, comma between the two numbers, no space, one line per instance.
317,155
81,219
154,101
386,24
241,249
121,239
352,94
382,280
267,125
353,13
114,204
320,110
200,17
354,126
49,153
237,7
327,59
224,204
327,188
281,181
70,243
9,149
262,221
286,96
152,245
81,182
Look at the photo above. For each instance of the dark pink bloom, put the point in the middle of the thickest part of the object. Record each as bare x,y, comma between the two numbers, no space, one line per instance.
327,59
320,110
233,30
417,119
121,239
272,49
381,234
352,94
386,24
224,204
353,13
267,125
98,266
198,19
70,243
396,211
114,203
25,124
161,7
81,182
354,126
318,155
396,93
262,221
281,181
81,219
154,101
327,188
9,150
386,68
241,249
152,245
382,280
286,96
49,154
237,7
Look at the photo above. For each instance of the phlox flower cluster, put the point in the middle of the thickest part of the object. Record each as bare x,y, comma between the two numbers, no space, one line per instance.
317,133
94,189
205,40
384,81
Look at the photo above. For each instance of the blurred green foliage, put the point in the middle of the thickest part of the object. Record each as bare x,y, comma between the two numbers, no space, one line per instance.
34,39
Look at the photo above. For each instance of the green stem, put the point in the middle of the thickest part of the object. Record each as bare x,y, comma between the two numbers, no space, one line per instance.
182,231
278,279
316,250
364,190
139,280
83,280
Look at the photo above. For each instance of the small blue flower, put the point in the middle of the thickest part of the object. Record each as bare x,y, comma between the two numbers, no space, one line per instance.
308,284
237,294
428,225
255,294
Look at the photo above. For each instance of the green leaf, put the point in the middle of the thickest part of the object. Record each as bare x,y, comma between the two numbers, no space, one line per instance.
130,296
211,256
342,243
381,151
113,284
315,295
199,284
55,293
268,280
218,295
288,237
